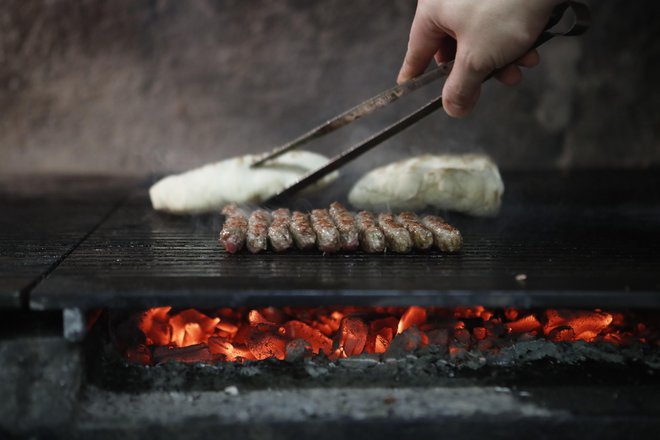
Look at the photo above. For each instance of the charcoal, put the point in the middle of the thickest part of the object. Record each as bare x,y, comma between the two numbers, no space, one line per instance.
264,345
299,330
352,336
315,371
479,333
527,351
192,353
296,350
495,328
404,343
484,345
585,323
457,352
412,316
463,337
438,337
529,336
361,337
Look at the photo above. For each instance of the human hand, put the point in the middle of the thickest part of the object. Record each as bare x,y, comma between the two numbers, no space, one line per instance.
481,36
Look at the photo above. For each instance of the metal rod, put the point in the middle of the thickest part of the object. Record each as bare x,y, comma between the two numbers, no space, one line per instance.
369,106
580,25
358,149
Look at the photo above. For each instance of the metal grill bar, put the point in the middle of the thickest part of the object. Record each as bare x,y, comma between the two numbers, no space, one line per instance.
583,240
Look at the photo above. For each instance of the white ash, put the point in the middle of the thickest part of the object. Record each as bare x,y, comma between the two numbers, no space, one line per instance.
231,390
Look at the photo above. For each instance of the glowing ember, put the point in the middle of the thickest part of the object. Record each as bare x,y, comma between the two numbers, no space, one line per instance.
352,337
413,316
299,330
585,325
292,333
525,324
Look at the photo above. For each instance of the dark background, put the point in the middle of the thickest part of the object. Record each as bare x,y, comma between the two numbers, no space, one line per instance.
148,86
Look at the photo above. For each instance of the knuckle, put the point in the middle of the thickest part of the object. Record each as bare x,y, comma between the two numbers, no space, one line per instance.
478,62
521,38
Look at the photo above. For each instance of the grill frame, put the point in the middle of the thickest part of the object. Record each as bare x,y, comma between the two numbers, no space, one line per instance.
584,239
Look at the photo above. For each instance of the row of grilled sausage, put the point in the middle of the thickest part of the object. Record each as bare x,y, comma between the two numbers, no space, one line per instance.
335,229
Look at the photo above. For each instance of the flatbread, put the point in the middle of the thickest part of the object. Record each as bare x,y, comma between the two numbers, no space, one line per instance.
208,188
468,183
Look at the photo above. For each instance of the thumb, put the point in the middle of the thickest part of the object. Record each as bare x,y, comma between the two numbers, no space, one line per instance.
463,86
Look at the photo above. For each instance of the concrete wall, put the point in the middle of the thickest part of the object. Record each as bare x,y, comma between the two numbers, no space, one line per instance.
144,86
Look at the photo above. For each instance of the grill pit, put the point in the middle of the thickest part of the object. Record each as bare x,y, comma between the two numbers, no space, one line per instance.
545,386
584,246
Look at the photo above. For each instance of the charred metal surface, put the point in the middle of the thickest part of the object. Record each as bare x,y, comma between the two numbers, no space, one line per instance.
43,219
585,239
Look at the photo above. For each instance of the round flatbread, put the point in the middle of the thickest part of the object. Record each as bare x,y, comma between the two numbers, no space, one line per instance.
468,183
208,188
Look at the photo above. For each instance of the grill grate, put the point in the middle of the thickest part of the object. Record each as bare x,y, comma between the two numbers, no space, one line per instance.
574,253
41,219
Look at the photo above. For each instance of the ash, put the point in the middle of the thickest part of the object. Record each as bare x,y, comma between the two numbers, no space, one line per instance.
537,360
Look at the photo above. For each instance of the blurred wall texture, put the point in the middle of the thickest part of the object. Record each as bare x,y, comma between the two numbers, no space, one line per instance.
152,86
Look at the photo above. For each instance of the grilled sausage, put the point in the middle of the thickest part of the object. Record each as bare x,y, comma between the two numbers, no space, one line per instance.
257,232
279,235
301,230
327,236
334,230
345,223
397,237
422,238
234,230
372,239
447,238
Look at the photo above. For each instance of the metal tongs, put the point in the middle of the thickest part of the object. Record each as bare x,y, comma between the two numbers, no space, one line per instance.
580,23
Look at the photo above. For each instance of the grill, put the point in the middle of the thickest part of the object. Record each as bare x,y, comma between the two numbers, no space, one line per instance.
121,322
584,239
42,221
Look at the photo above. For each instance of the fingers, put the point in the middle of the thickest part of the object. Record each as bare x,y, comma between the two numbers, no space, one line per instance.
462,88
530,59
425,41
509,75
439,57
